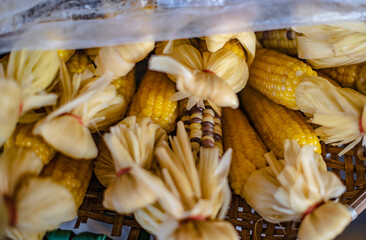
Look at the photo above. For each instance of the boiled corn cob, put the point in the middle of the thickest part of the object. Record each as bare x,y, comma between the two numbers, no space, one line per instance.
78,63
346,76
65,54
276,123
92,53
203,127
235,46
248,147
73,174
277,76
126,85
281,40
152,100
23,137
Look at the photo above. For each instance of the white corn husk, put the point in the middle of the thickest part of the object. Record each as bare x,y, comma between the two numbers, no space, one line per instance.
120,60
286,190
67,128
167,46
193,202
23,85
215,77
332,45
247,39
131,143
338,111
104,168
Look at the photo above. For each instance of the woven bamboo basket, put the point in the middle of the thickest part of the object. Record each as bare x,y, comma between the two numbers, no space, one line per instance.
249,224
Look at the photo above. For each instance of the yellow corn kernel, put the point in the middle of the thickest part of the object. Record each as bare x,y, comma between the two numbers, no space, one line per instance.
152,99
281,40
78,63
24,137
248,148
277,76
126,85
276,123
73,174
66,54
235,46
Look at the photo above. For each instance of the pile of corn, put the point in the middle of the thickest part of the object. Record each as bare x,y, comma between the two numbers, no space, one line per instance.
89,101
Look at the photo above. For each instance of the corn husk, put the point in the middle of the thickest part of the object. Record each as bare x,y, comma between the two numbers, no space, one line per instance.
3,219
338,111
194,199
215,77
67,128
104,168
287,189
131,144
333,45
361,81
120,60
247,39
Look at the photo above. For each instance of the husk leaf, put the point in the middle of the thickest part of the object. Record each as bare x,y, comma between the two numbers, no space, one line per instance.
285,190
119,60
104,168
337,110
4,219
132,143
216,77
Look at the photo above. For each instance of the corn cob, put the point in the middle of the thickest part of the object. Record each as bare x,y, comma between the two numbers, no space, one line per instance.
152,100
235,46
281,40
346,76
65,54
23,137
203,127
277,76
78,63
248,148
73,174
92,53
276,123
126,85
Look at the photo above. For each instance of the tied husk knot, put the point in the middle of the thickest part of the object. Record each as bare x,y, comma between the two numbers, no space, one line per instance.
295,188
131,144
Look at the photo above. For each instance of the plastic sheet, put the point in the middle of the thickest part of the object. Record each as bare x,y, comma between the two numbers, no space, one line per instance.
50,24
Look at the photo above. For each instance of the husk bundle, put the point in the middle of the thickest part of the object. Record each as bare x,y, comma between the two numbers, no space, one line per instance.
131,143
332,45
120,60
338,111
286,190
23,84
215,77
87,102
104,168
194,199
32,205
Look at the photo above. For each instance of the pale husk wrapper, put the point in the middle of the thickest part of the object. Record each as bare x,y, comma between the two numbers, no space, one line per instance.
132,143
215,77
338,111
285,190
119,60
3,219
104,168
332,45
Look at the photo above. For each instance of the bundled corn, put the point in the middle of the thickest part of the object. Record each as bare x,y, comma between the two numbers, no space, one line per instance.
277,76
194,199
332,45
276,123
215,77
281,40
73,175
153,100
131,143
296,189
87,104
248,148
32,205
339,111
117,61
23,84
203,126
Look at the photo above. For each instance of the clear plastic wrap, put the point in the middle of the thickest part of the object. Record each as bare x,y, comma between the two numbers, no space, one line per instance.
49,24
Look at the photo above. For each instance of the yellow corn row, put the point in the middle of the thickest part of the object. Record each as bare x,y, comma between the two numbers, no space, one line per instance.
203,127
126,85
152,99
248,148
277,76
73,174
281,40
235,46
65,54
78,63
24,137
276,123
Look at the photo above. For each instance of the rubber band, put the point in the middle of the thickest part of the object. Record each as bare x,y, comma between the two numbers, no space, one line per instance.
123,171
311,209
9,203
